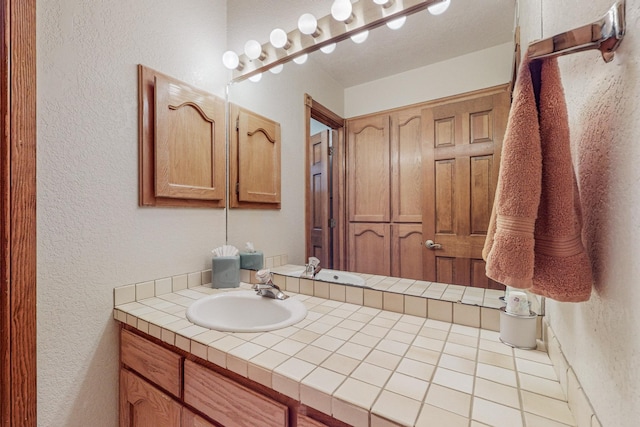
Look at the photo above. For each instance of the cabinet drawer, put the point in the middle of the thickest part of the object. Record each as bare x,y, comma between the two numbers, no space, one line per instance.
304,421
157,364
227,402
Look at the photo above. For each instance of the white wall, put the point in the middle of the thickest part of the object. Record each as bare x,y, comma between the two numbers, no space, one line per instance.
92,236
600,337
478,70
281,98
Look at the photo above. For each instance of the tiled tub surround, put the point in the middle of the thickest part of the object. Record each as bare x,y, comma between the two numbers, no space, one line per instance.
364,365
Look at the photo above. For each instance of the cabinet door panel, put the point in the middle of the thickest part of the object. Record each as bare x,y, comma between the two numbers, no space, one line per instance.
406,162
369,248
258,159
189,148
368,172
407,247
229,403
189,419
142,405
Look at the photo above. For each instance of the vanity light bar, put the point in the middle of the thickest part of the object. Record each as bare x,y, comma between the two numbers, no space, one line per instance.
367,15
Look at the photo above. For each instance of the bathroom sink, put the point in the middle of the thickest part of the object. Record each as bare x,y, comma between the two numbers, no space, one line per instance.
244,311
335,276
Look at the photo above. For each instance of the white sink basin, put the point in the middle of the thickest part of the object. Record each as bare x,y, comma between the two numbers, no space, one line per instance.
244,311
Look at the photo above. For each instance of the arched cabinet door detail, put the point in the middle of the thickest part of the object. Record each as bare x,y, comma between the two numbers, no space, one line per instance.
181,143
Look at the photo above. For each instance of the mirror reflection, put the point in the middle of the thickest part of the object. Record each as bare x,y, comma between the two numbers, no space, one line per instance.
408,187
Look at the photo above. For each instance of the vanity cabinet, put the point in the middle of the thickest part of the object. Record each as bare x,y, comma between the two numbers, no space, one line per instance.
166,387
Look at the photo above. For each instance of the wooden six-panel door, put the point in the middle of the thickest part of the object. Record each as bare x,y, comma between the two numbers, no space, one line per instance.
461,157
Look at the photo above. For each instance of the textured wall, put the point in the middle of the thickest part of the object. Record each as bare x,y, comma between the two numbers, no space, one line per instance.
92,236
600,337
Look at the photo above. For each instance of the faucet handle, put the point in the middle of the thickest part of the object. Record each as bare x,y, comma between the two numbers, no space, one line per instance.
313,261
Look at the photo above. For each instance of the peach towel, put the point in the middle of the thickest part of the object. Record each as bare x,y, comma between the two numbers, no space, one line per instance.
534,237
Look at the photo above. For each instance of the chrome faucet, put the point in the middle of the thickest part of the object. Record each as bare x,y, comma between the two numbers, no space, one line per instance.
312,268
266,288
269,290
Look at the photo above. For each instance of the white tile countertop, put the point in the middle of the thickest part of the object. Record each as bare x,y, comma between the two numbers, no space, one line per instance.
359,363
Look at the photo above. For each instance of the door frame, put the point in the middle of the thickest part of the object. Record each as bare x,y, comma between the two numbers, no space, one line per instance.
315,110
18,393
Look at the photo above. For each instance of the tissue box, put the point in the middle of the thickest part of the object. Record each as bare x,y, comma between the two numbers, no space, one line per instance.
251,260
225,271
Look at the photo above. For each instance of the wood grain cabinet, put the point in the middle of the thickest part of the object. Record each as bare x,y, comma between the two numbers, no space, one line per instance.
181,143
254,161
162,388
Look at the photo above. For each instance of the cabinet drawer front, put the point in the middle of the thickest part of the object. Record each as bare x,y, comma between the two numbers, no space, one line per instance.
153,362
229,403
304,421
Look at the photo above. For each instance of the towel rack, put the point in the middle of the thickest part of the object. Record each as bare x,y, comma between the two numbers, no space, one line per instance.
604,34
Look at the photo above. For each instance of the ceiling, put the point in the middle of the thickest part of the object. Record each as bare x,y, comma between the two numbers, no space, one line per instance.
467,26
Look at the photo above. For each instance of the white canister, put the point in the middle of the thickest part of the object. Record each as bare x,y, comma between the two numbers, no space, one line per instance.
518,331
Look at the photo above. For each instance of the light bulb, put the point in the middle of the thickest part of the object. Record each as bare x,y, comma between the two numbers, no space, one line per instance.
307,24
438,8
279,39
328,48
252,49
277,69
397,23
384,3
301,59
360,37
256,78
230,60
341,10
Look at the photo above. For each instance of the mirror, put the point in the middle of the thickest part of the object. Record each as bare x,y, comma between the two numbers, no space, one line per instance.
468,48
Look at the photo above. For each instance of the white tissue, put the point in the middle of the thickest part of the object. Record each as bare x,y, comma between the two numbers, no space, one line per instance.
249,248
226,250
517,303
263,276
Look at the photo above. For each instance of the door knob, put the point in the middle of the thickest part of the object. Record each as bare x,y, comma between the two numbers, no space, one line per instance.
432,245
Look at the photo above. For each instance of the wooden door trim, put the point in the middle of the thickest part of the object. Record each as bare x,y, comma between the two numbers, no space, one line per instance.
314,110
18,392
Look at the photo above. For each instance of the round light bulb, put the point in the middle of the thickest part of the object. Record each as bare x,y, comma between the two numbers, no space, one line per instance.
439,8
252,49
384,3
301,59
328,48
230,60
307,24
341,10
278,38
277,69
397,23
360,37
256,78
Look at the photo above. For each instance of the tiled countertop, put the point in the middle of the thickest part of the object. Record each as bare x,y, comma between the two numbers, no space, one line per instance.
361,363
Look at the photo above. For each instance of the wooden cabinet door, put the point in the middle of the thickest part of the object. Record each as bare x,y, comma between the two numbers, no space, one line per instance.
189,142
406,166
142,405
304,421
407,251
258,159
319,239
369,248
461,156
368,172
189,419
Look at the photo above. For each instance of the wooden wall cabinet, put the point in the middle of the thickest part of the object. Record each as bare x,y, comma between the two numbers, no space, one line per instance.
254,161
181,143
